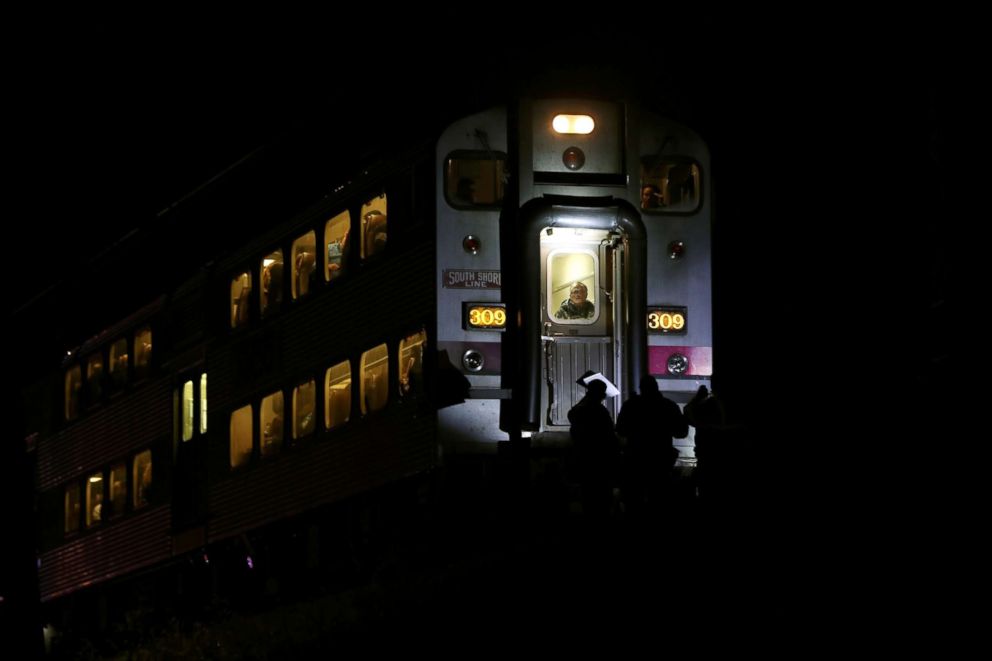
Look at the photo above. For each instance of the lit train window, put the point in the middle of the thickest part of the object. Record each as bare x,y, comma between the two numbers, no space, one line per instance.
375,379
304,264
187,410
240,446
669,185
572,278
142,470
270,293
118,490
412,364
72,507
336,243
271,423
474,179
142,352
94,499
203,403
374,226
94,378
118,363
337,389
304,400
73,384
240,297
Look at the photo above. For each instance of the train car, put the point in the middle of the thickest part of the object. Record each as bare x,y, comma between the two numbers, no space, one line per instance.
573,236
258,425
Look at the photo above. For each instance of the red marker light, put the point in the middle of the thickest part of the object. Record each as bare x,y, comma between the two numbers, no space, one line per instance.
573,158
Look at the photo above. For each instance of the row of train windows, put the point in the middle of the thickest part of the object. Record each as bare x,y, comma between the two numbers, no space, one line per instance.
107,370
373,395
476,179
105,493
304,262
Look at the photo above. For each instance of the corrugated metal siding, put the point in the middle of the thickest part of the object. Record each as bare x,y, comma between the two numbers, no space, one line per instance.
119,548
371,453
571,360
130,422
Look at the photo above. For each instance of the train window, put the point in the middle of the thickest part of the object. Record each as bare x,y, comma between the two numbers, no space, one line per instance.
572,278
304,400
72,507
240,296
374,226
118,490
271,423
94,378
203,403
118,363
375,377
270,293
336,241
142,352
669,185
73,384
94,499
474,179
142,480
188,405
337,389
240,446
304,264
412,364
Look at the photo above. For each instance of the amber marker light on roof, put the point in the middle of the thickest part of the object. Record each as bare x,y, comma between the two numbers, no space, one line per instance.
573,124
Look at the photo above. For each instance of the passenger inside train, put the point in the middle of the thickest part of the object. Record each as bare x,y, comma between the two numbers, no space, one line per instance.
651,197
375,232
577,305
335,255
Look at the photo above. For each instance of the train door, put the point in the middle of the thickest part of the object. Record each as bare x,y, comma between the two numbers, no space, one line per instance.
581,314
582,281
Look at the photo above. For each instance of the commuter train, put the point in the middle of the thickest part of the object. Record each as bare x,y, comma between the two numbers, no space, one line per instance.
301,386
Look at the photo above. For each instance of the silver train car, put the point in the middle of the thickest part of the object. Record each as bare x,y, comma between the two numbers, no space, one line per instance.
556,194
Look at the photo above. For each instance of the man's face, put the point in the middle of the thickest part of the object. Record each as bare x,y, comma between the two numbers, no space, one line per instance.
577,295
646,196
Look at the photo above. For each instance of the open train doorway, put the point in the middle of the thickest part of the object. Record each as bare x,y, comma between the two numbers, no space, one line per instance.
581,313
583,282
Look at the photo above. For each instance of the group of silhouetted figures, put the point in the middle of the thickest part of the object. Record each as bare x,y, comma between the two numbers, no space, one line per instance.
638,457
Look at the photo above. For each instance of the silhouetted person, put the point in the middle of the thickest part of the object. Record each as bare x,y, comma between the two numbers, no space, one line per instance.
649,421
597,450
452,387
705,412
